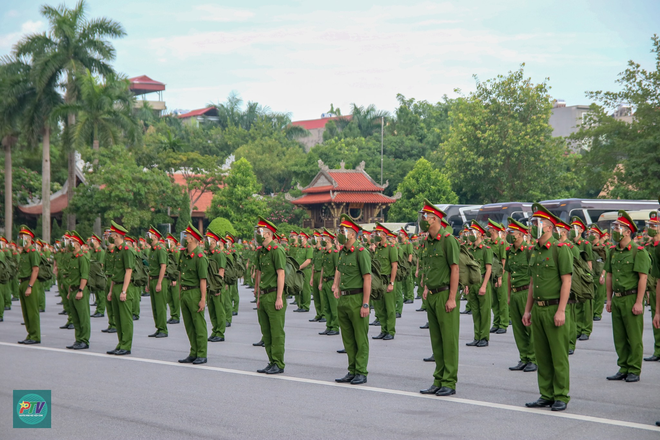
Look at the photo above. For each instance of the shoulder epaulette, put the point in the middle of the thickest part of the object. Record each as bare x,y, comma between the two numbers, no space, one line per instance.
560,244
509,248
361,249
612,247
487,247
447,235
640,247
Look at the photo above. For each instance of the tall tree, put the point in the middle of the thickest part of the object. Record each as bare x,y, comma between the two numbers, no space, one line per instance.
71,44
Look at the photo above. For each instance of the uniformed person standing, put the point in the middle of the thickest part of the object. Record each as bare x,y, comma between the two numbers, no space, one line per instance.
109,267
499,284
480,295
561,234
317,256
271,308
194,266
352,289
328,264
98,254
304,256
78,294
627,269
63,279
517,271
230,242
407,284
217,311
550,269
173,293
5,294
385,308
584,311
600,250
654,253
122,292
28,271
157,285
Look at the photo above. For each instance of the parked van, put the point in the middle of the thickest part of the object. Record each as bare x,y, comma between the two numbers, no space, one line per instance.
590,210
639,217
458,215
499,212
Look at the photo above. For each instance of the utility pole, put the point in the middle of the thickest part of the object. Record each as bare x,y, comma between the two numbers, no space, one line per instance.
382,131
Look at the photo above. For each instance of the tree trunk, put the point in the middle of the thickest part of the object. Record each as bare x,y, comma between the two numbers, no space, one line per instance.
97,221
45,187
9,191
71,218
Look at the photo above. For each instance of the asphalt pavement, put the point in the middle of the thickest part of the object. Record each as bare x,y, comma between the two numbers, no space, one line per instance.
148,395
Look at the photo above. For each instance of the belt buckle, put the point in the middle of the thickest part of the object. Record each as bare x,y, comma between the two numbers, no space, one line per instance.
617,294
540,303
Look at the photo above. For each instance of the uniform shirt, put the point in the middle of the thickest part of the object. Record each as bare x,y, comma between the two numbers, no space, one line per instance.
157,256
498,247
218,256
545,270
63,266
329,260
98,255
29,258
353,263
386,254
584,245
194,266
317,261
439,253
483,254
78,269
625,268
517,264
270,259
124,260
304,253
654,252
109,266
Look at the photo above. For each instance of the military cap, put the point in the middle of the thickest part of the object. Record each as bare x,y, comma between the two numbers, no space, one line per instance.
348,222
430,209
492,223
624,218
263,223
477,227
515,224
76,237
541,211
577,221
118,229
194,232
25,230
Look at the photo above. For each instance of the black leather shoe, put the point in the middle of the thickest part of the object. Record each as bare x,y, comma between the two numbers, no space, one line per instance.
113,351
70,347
653,358
380,335
153,335
388,337
266,368
228,324
571,352
631,377
398,315
105,330
259,344
541,403
408,301
65,326
493,329
80,346
31,342
63,312
136,318
199,361
482,343
70,327
332,333
324,332
430,390
521,366
122,352
657,423
500,331
172,321
531,367
473,343
346,379
98,315
315,319
425,325
322,320
597,318
420,310
558,406
445,391
430,359
112,330
359,379
188,360
160,335
375,322
618,376
274,369
464,312
583,337
253,301
42,310
234,313
342,351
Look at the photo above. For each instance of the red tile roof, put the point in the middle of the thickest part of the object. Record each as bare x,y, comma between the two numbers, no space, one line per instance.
318,189
143,84
202,205
57,205
209,111
343,197
312,124
353,180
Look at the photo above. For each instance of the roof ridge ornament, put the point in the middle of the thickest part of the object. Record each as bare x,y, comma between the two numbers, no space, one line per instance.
342,165
361,166
323,166
299,186
387,183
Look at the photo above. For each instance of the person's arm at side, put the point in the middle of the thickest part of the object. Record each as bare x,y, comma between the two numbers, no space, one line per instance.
280,289
366,294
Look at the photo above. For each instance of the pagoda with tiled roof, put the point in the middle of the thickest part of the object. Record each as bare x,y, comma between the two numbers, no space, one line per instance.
344,191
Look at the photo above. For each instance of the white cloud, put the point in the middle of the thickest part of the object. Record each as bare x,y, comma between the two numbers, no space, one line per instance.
29,27
216,13
11,13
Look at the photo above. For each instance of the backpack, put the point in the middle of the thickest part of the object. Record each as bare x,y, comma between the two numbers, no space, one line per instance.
172,270
240,266
140,275
6,272
469,270
293,277
582,280
231,271
379,282
97,278
599,264
214,280
403,267
45,269
497,269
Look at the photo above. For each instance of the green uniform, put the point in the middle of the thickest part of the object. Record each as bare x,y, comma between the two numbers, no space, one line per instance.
29,304
386,307
328,261
546,266
123,310
270,259
109,268
401,286
481,304
173,291
226,298
353,263
78,271
63,282
101,297
624,267
194,267
5,295
408,283
584,311
302,254
517,267
158,257
319,300
438,255
653,248
217,310
233,289
500,294
137,291
600,256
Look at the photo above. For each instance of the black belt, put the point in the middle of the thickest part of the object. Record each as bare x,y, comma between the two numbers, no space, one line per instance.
184,288
20,280
328,279
271,290
154,278
518,289
625,293
119,283
351,292
552,302
438,290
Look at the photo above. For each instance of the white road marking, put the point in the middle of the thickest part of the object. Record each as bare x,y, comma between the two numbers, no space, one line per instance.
522,409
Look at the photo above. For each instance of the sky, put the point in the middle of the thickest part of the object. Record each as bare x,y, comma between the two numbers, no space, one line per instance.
298,57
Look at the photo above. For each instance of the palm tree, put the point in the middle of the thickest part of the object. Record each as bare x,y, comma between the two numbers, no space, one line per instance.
73,43
367,120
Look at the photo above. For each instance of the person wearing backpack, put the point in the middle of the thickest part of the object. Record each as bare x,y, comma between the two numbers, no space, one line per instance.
352,289
63,280
653,248
517,270
78,294
627,270
233,298
215,251
499,281
122,292
584,310
561,235
328,264
157,284
439,264
386,307
109,267
269,285
479,295
599,248
550,269
98,255
173,292
408,284
5,295
317,265
133,247
28,271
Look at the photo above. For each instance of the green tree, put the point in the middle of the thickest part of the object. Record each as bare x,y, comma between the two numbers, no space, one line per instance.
221,226
621,143
423,182
283,211
500,145
238,201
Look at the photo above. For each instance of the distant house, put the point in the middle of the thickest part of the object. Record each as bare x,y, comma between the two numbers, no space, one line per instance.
202,115
142,86
200,201
316,128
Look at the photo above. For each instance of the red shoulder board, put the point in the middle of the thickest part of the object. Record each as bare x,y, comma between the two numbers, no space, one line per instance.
612,247
480,246
199,255
547,245
269,247
560,244
361,248
447,234
508,248
640,247
336,250
275,247
487,247
259,247
629,246
353,248
126,248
